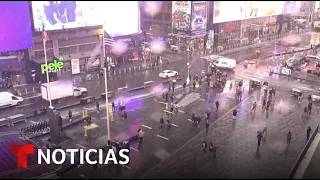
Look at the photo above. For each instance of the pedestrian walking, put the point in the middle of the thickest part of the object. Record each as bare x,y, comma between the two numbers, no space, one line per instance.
308,132
204,146
161,121
254,106
207,126
194,86
289,137
309,98
70,115
217,105
234,113
259,136
97,105
230,86
265,129
172,97
113,106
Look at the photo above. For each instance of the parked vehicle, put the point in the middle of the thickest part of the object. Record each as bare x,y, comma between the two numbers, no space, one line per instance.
168,73
8,99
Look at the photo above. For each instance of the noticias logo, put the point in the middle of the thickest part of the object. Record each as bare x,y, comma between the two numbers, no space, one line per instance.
58,156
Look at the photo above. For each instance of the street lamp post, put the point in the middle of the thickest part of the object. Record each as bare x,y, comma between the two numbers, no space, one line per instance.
107,102
46,61
188,79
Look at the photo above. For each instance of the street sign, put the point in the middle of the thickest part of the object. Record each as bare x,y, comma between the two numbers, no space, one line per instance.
286,71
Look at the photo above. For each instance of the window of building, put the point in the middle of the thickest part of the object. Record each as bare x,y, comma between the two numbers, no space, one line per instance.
169,6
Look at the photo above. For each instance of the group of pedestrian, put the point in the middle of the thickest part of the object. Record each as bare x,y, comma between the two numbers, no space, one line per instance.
212,149
268,98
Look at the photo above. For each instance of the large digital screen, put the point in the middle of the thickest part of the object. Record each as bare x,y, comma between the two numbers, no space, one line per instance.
181,17
117,17
291,7
199,18
15,26
225,11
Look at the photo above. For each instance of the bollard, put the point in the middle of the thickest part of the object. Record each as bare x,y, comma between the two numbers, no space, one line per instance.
26,91
114,73
134,68
19,93
33,89
119,72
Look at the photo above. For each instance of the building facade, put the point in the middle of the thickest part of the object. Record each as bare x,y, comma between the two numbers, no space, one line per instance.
82,44
160,24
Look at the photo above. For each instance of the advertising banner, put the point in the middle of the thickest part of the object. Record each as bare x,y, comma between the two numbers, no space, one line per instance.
290,7
225,11
199,18
181,17
15,30
306,6
75,66
117,17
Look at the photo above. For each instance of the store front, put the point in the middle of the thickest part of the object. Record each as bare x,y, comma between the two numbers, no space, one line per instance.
227,32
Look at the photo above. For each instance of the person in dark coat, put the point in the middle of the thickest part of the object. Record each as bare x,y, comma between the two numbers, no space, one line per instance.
98,106
234,113
259,136
289,137
308,132
309,107
161,121
217,105
113,106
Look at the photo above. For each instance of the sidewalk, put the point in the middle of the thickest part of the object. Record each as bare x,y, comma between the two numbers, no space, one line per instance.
236,141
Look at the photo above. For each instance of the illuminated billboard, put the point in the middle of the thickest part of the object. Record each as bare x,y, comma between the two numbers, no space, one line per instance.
15,30
199,18
316,6
118,17
225,11
181,17
291,7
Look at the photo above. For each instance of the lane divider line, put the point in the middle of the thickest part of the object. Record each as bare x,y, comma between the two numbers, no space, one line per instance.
174,125
163,137
181,111
189,120
168,111
146,126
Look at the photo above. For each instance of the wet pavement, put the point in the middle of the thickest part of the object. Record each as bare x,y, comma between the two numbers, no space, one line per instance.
176,151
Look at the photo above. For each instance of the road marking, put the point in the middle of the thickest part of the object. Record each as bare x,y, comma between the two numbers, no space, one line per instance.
83,176
128,167
163,137
168,111
24,105
146,126
33,122
134,149
174,125
79,145
31,97
181,111
190,120
202,99
163,102
68,154
185,144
